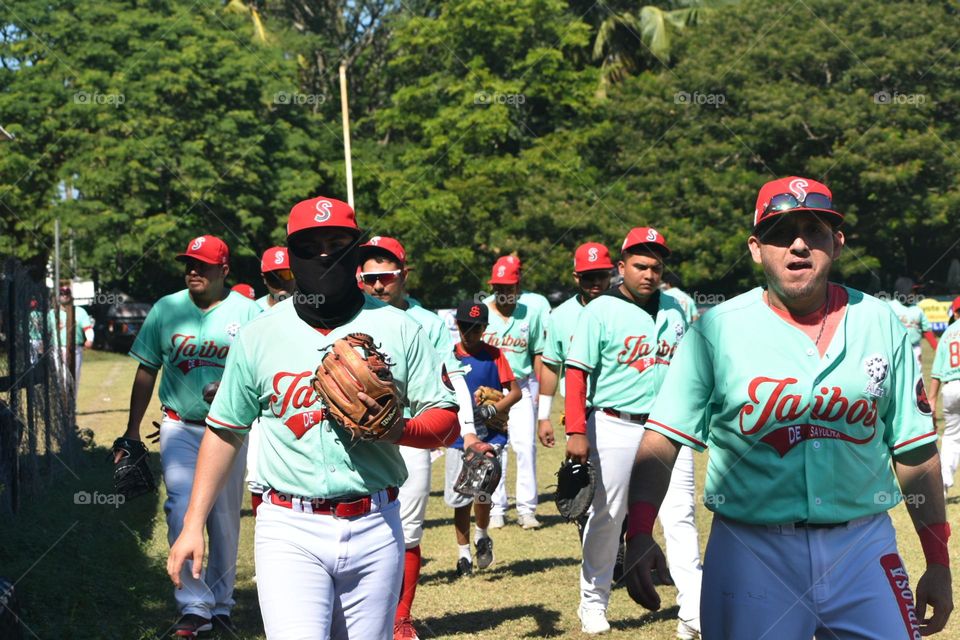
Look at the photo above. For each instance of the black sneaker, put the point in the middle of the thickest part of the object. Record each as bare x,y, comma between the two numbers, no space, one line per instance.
484,552
223,624
190,625
618,567
464,567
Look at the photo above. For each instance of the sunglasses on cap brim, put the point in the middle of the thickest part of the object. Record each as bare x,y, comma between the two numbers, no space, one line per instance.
385,277
281,274
787,201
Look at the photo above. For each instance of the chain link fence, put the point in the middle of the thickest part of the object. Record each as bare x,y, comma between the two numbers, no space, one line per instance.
38,439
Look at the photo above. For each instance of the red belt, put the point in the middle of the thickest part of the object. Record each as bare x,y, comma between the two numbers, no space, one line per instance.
340,508
639,418
173,415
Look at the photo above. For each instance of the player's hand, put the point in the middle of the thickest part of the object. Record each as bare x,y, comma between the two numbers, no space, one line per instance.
578,448
396,431
154,436
131,434
545,433
189,546
480,446
643,556
88,344
934,588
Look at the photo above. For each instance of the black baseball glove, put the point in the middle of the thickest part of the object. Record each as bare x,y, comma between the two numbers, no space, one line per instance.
131,474
576,484
479,475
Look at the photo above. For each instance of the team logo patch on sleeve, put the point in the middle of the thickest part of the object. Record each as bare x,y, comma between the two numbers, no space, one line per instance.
232,329
922,403
445,377
877,368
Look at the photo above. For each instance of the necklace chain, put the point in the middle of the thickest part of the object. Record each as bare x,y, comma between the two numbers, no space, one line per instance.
823,322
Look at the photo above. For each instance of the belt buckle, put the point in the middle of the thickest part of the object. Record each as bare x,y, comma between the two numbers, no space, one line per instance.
352,508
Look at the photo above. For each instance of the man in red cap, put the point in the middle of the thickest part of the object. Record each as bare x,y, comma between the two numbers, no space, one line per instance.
329,541
517,330
592,270
188,334
624,342
813,407
383,275
277,276
245,290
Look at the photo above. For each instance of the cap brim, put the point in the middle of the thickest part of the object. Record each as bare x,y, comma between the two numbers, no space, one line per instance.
602,267
181,257
656,248
496,281
833,217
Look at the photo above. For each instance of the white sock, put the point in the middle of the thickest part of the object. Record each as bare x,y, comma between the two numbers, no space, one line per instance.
480,534
465,551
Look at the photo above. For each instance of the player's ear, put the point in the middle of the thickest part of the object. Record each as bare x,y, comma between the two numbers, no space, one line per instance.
620,266
753,243
838,242
226,270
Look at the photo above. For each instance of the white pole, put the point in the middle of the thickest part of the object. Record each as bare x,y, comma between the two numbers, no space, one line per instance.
345,110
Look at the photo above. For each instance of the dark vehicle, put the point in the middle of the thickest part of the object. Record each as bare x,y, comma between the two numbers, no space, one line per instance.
117,324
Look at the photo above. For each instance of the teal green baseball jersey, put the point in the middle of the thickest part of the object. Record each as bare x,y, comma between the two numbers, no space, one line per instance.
538,305
688,304
438,335
561,325
264,302
81,321
520,337
913,319
191,346
303,450
946,362
625,350
793,436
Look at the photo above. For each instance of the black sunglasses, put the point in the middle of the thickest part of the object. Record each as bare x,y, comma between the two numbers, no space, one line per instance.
788,201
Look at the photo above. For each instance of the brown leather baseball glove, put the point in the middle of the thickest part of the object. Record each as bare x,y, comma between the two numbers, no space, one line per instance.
355,365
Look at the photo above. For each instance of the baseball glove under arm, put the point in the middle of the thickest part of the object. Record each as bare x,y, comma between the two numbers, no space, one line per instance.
131,474
576,484
344,373
486,412
479,475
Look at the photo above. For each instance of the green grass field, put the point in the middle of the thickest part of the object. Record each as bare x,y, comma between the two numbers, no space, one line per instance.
96,571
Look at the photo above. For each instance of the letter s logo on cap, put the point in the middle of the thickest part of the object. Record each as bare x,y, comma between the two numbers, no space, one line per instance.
501,271
324,207
652,235
197,244
278,259
375,241
798,188
474,311
592,254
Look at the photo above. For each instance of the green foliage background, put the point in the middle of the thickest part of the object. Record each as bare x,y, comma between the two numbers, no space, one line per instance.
480,128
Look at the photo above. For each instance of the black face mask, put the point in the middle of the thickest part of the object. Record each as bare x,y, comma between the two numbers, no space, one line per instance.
327,294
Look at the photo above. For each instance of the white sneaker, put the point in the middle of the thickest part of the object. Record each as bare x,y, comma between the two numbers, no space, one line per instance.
528,521
593,620
496,522
687,631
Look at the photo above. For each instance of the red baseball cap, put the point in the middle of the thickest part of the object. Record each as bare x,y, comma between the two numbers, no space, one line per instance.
505,271
274,259
386,244
209,249
591,256
955,305
648,236
244,290
321,212
793,193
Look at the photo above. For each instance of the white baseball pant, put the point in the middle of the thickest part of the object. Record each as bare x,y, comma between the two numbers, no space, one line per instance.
950,445
414,494
613,448
212,594
325,578
770,582
523,441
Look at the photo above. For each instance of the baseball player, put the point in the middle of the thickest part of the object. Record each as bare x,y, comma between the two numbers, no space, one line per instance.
83,336
188,334
383,275
624,341
813,408
670,285
517,330
277,276
591,272
945,383
328,541
484,365
913,319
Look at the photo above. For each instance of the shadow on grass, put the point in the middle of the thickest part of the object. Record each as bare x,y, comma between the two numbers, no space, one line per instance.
488,619
650,617
498,571
81,562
